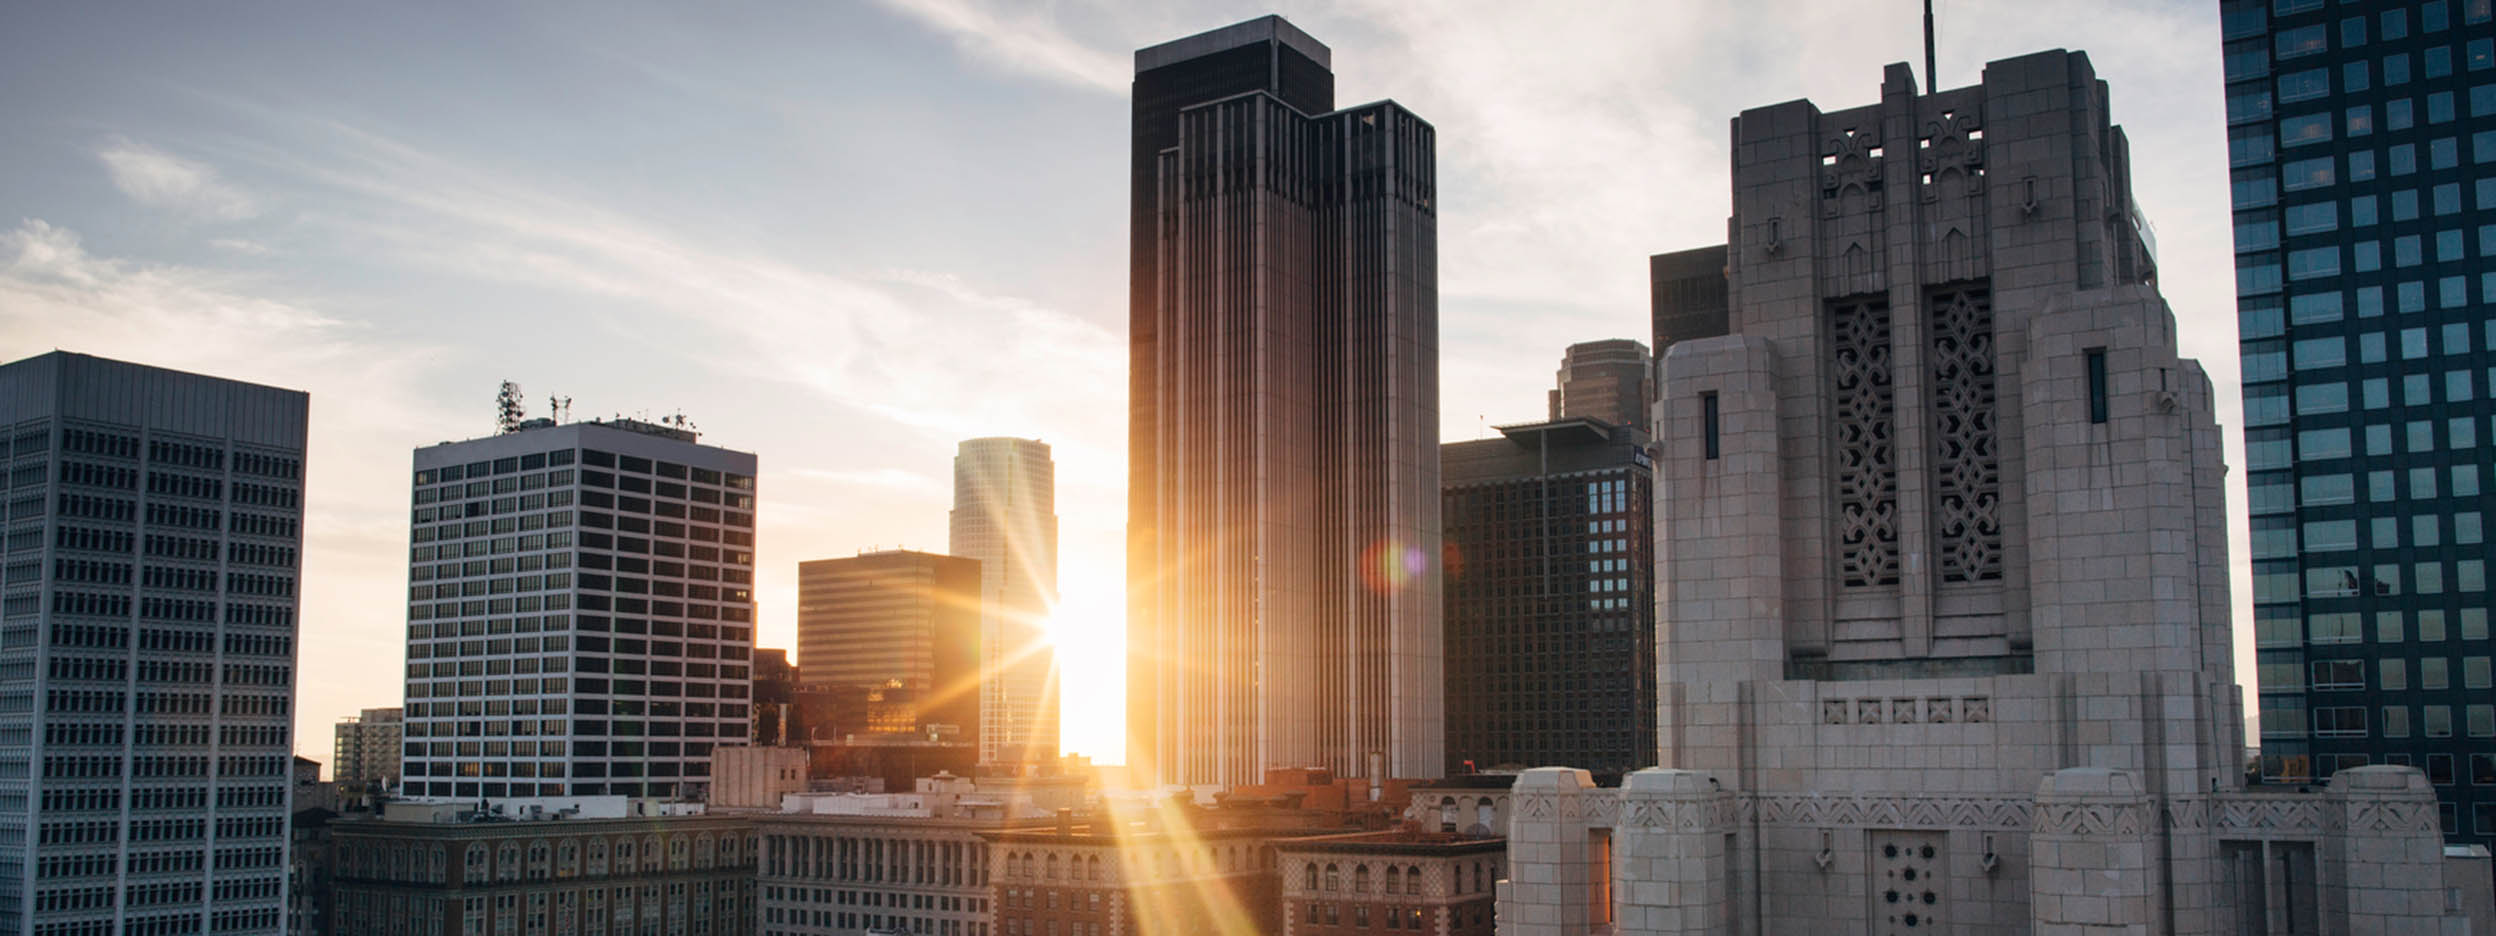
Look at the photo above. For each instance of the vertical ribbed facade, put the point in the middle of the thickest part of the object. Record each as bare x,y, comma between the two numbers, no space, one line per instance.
1285,522
1005,516
902,628
147,648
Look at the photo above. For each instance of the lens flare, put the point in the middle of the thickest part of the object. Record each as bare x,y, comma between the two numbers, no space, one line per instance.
1390,565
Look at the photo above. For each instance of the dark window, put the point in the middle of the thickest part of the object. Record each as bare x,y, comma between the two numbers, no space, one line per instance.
1707,418
2097,385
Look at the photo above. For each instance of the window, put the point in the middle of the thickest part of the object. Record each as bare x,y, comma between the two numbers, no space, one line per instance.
2342,721
1708,419
2392,673
2315,218
2337,675
2437,720
2306,174
2302,41
2396,721
2305,85
2096,362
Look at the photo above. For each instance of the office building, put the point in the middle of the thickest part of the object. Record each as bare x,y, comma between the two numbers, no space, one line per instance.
2362,153
1689,295
154,539
1606,381
1283,435
444,871
1550,598
1005,516
776,718
1942,574
367,749
899,628
581,612
1401,881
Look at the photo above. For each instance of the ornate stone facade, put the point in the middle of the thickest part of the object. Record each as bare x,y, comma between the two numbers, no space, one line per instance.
1942,583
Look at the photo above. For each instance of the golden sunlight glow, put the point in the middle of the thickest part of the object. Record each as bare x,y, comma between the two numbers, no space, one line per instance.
1088,628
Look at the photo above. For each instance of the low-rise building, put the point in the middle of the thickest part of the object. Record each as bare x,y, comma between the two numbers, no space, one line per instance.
846,863
465,872
1401,881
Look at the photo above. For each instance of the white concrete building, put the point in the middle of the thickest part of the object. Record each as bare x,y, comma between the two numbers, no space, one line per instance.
1943,610
154,528
580,612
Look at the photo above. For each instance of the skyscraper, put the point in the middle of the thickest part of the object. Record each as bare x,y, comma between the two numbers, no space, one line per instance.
367,749
1551,597
1005,516
899,631
581,612
2362,148
1283,451
147,648
1607,381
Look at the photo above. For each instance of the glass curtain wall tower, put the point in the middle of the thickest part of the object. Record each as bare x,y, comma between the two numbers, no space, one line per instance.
2362,146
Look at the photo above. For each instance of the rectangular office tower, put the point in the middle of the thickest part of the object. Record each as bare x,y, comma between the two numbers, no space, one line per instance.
895,636
580,612
1005,516
1283,509
147,648
2362,144
1551,597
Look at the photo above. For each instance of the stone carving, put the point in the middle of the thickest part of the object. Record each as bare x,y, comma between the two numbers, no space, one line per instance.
2268,816
1952,152
1940,710
2128,819
1967,467
1889,812
1717,812
1867,458
1850,170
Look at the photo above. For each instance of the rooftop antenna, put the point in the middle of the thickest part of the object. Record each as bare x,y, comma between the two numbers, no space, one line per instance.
507,409
1932,80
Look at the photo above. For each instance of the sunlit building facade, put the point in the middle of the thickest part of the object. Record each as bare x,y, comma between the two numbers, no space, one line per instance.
1609,381
580,612
1005,516
1283,508
366,749
2362,145
154,529
899,631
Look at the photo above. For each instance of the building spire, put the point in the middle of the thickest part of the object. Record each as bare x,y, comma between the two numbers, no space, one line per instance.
1932,80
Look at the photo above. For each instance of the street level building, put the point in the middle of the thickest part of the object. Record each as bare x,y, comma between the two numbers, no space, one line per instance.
898,631
1400,881
366,752
580,614
2362,154
837,864
1283,509
154,536
445,872
1942,575
1005,516
1550,598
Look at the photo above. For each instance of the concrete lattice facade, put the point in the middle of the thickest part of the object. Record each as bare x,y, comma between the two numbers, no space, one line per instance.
1940,516
1005,516
147,648
1283,508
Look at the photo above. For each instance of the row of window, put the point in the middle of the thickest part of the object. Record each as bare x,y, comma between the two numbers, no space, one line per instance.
2276,626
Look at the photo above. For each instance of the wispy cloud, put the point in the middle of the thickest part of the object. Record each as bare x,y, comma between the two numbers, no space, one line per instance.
159,179
895,479
239,245
1023,37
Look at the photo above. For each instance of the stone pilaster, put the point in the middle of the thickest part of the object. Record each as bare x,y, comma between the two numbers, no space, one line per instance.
1553,882
2381,855
2089,856
1671,862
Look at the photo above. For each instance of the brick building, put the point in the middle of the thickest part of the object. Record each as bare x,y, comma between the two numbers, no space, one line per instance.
688,875
1393,881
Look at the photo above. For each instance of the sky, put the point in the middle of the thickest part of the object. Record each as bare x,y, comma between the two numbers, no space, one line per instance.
848,235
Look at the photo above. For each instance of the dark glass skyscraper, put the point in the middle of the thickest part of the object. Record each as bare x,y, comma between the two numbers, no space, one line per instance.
1283,441
2362,143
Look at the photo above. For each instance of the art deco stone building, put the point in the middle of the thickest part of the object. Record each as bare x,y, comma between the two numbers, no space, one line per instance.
1283,509
442,875
1943,604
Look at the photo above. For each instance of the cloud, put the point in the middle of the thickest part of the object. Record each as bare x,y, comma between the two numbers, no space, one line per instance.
894,479
159,179
1022,38
238,245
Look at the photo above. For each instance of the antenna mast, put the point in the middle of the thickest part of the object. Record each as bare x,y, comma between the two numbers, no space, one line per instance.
1932,80
507,408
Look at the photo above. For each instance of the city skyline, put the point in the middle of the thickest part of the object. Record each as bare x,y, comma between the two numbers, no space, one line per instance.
182,231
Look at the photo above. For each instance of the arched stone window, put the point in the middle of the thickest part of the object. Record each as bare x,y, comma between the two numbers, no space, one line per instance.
507,862
1412,880
675,853
1484,815
1092,868
475,872
541,860
1053,867
1447,814
567,859
1308,878
1334,879
1360,880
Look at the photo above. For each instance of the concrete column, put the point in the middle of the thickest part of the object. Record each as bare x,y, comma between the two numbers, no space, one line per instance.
1551,855
1670,863
2089,856
2381,859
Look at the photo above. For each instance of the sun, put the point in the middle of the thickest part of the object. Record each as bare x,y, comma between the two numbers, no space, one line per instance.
1088,629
